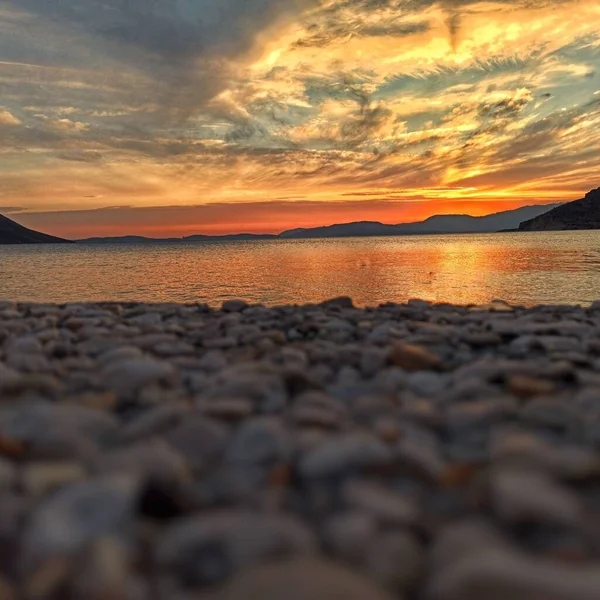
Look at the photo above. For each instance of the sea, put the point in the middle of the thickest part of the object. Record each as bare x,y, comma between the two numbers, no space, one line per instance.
520,268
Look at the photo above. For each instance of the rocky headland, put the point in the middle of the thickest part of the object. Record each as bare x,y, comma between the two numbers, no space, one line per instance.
580,214
13,233
417,451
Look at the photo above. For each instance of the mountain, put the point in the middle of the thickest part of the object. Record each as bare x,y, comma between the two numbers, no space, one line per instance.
580,214
127,239
241,237
140,239
13,233
508,219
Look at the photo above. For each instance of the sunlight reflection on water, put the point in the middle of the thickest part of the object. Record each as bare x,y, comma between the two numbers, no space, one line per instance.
527,268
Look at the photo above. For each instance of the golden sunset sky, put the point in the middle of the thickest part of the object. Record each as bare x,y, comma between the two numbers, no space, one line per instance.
174,117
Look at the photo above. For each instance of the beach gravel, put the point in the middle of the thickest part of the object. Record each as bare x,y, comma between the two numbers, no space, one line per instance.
411,451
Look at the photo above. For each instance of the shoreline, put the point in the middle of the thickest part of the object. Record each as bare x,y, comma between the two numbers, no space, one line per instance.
403,451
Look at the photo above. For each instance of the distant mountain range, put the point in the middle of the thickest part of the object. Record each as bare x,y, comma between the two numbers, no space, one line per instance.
13,233
138,239
440,224
581,214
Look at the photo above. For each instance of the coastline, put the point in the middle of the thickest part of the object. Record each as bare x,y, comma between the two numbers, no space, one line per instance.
408,450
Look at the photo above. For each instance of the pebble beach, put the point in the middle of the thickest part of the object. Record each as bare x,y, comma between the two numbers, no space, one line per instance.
410,451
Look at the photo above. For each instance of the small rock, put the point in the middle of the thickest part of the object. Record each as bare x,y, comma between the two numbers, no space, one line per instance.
345,454
341,302
349,533
411,357
302,579
396,559
261,441
234,306
199,440
210,548
40,478
66,522
529,496
130,376
387,506
528,387
227,409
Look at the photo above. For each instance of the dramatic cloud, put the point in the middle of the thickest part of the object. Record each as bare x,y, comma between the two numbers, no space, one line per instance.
6,118
439,105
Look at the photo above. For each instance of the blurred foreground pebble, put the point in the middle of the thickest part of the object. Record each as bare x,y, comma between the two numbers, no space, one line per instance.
415,452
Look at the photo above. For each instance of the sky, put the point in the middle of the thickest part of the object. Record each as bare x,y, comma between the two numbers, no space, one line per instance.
174,117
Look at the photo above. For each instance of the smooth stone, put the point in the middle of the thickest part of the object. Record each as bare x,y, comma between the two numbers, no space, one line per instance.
119,354
200,440
348,534
227,409
27,344
40,478
234,306
149,318
412,357
210,548
341,302
76,515
302,579
38,424
387,506
372,361
103,574
260,383
417,454
529,387
499,574
155,421
526,496
8,475
426,383
344,454
396,559
130,376
260,441
153,460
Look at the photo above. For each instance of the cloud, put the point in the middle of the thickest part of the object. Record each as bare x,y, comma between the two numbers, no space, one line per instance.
131,102
7,210
7,118
186,46
88,156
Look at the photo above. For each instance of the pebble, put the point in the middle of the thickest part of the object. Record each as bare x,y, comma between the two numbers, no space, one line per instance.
523,495
129,376
199,439
406,451
234,306
385,505
75,516
209,549
345,454
302,579
39,479
412,357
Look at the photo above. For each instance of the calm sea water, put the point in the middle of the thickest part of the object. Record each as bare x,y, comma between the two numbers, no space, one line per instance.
526,268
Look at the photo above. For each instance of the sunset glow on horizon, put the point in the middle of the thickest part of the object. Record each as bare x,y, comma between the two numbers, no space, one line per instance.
165,118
